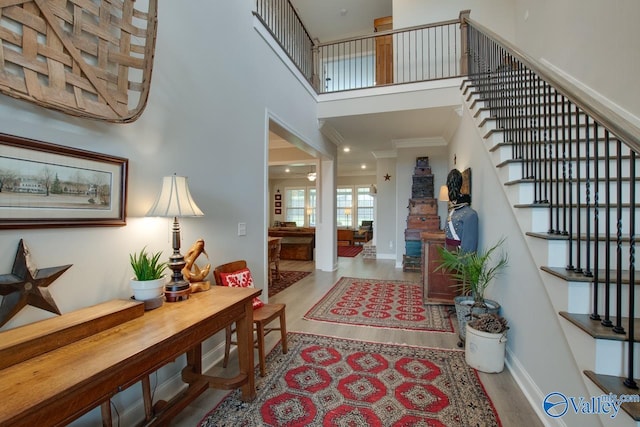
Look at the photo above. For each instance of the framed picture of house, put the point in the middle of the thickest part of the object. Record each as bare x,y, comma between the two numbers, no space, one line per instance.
278,211
278,204
48,185
278,196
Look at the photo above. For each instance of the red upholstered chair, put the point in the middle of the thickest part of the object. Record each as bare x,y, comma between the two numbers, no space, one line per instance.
235,274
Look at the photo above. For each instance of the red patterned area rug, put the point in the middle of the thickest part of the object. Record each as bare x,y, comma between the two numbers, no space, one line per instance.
324,381
287,278
380,303
349,251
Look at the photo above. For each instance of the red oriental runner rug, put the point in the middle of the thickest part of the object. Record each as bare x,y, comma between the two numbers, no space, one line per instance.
324,381
391,304
349,251
287,278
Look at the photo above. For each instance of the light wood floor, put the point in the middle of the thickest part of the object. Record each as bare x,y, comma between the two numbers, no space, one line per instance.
513,409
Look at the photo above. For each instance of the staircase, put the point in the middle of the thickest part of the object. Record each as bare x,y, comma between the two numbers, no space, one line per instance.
573,171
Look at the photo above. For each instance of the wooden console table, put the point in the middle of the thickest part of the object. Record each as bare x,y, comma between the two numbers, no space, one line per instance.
438,286
55,386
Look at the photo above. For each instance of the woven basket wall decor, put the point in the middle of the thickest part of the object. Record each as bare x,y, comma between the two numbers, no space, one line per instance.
87,58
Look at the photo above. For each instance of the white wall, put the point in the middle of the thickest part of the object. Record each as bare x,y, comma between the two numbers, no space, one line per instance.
603,39
215,81
495,14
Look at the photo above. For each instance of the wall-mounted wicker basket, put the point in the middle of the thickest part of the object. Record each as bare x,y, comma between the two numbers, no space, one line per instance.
87,58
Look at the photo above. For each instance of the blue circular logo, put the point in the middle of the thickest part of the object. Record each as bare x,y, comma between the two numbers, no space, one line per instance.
555,404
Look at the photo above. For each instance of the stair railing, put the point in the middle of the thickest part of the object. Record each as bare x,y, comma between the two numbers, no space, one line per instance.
281,19
581,159
408,55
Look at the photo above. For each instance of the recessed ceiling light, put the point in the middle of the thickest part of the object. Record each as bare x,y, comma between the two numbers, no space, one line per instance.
346,149
287,170
363,166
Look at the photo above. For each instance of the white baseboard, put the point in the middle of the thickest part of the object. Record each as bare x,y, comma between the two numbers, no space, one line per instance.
531,391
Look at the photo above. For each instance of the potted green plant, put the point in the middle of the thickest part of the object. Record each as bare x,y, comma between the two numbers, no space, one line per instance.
474,272
485,344
149,280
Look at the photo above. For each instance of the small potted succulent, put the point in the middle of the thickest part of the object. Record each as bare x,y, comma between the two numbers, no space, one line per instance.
149,280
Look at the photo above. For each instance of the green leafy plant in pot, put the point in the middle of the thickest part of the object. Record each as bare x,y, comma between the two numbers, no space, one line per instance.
149,280
474,272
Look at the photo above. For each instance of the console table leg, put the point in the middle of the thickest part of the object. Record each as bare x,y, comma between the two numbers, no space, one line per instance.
105,409
146,397
244,333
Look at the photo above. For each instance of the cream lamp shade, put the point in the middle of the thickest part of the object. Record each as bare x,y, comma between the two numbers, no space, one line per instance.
175,199
444,194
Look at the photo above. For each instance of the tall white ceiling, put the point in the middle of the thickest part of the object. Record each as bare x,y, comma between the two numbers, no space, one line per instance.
329,20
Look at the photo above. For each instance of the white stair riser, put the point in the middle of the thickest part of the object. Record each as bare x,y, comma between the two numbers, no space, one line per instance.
581,300
608,351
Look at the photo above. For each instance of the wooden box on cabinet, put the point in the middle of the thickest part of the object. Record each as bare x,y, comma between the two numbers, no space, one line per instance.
423,222
437,286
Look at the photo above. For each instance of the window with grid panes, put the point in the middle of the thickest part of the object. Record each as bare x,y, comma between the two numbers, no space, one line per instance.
294,205
364,209
300,206
344,206
311,207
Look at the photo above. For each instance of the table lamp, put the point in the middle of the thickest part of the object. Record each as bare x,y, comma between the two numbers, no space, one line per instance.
444,197
175,201
347,212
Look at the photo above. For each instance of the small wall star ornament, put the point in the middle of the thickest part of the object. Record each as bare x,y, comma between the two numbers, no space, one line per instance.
26,285
387,177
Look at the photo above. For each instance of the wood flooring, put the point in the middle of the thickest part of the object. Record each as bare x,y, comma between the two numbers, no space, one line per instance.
513,409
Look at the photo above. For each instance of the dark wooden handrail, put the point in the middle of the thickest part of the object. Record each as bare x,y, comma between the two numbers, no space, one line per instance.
613,121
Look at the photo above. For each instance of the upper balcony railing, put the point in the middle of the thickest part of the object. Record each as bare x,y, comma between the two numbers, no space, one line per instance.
416,54
409,55
284,24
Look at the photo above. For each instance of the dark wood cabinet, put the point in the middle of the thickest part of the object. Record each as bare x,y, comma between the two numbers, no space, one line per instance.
437,286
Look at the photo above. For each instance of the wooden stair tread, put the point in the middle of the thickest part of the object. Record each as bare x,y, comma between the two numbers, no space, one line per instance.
572,276
615,385
583,237
599,331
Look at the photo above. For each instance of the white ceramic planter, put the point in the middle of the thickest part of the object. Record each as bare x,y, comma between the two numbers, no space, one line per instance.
484,351
148,289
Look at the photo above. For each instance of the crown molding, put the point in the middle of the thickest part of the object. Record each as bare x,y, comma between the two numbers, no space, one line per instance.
419,142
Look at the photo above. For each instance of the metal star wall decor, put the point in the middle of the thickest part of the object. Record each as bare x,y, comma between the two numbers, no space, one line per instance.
387,177
27,285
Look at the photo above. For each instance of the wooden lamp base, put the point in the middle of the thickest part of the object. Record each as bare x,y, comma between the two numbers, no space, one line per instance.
178,295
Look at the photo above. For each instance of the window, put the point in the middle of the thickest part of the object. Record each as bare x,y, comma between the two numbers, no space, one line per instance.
311,207
344,206
364,210
300,205
351,212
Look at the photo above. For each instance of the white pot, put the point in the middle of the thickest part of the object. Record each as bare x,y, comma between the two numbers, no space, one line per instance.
484,351
148,289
